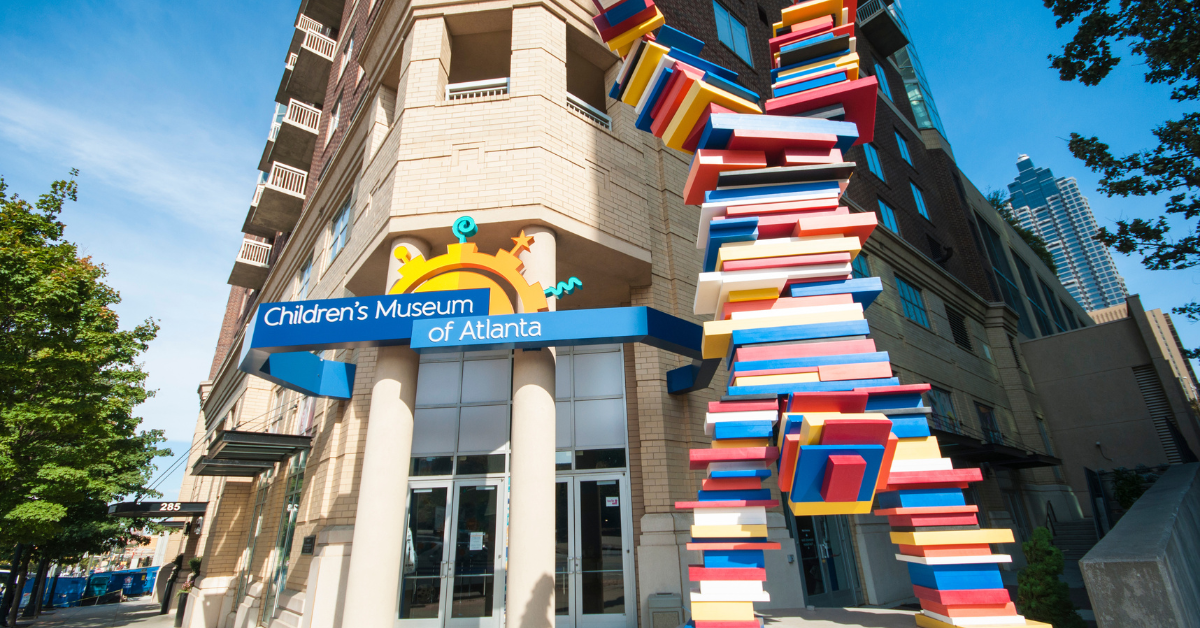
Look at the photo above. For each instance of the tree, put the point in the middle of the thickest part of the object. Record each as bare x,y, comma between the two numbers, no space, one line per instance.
1001,204
69,380
1166,35
1040,594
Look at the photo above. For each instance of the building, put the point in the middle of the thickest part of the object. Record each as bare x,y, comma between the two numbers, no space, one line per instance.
395,120
1057,212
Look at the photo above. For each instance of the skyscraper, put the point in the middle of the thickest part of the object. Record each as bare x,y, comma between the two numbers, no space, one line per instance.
1056,210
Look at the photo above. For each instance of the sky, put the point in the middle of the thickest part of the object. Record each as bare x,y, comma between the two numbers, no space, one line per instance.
164,107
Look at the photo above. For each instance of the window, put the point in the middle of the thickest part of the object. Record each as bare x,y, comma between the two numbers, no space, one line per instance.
346,57
873,163
339,230
732,33
333,120
1071,317
882,78
1031,295
302,279
589,402
903,148
461,421
958,328
889,217
914,303
1041,423
987,421
1003,272
919,199
942,415
861,268
1053,305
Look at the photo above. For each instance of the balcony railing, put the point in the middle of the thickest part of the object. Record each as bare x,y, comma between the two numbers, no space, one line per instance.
254,252
867,10
592,114
291,61
258,190
303,115
320,44
308,24
877,23
252,265
477,89
288,179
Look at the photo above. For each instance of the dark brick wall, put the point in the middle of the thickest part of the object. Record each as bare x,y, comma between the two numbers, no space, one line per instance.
347,87
230,325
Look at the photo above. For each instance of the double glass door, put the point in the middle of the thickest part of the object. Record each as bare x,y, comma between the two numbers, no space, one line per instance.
593,553
453,555
826,560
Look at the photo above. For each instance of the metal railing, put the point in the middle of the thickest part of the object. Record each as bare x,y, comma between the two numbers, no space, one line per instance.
945,423
868,10
287,178
1051,518
258,253
319,44
303,116
306,23
477,89
593,114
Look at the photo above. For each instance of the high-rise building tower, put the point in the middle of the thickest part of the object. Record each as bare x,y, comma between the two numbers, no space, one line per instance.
1055,210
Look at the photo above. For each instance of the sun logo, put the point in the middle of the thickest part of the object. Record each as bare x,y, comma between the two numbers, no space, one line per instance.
463,267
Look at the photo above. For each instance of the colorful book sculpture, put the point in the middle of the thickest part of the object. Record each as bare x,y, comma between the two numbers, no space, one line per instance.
807,389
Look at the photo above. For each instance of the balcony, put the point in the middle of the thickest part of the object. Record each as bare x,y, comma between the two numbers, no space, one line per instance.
477,89
251,266
293,137
590,113
327,12
254,446
307,73
880,27
277,202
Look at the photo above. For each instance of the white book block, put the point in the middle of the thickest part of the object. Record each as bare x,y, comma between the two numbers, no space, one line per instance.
992,620
761,596
712,289
812,309
730,587
708,211
663,63
739,465
748,515
955,560
923,464
712,418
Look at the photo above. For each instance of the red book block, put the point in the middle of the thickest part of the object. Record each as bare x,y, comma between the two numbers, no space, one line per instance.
889,452
699,458
802,31
839,347
782,371
929,551
793,282
811,156
787,262
963,596
861,370
671,87
608,31
735,545
730,484
729,503
671,103
742,406
775,143
844,402
843,478
693,138
856,432
860,225
707,165
857,97
821,205
970,610
698,573
786,302
933,520
787,462
945,476
896,390
925,510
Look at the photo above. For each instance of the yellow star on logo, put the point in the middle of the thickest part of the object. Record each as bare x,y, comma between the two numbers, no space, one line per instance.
522,242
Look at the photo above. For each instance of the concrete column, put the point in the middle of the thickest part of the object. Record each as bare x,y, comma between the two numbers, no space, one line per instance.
373,577
530,591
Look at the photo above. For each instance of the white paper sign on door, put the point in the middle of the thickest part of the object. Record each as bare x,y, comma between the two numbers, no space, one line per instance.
476,543
612,502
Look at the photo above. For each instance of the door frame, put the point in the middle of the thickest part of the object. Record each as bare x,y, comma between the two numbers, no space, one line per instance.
575,619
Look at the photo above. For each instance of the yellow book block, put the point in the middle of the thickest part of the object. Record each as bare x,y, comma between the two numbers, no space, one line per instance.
953,537
626,39
925,621
818,244
767,380
642,73
723,611
737,296
840,62
742,531
734,443
812,509
717,334
806,11
851,70
917,448
700,95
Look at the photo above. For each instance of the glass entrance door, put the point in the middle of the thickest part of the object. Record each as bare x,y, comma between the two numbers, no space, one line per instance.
593,553
453,550
826,560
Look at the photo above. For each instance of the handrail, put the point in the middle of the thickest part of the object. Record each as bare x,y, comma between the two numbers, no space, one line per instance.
291,60
303,115
254,252
1051,518
477,89
320,44
287,178
306,23
868,10
593,114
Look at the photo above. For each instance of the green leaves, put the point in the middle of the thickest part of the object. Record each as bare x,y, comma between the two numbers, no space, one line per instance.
1040,594
69,379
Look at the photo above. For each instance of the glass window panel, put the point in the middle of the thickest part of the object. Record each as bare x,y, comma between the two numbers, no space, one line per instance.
478,465
421,583
562,375
598,374
903,148
600,459
562,425
596,348
486,380
741,43
888,216
483,428
474,552
434,430
601,563
860,266
883,84
600,423
919,199
722,18
432,465
437,384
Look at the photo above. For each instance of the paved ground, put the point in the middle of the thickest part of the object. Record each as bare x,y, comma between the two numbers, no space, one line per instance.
142,614
832,617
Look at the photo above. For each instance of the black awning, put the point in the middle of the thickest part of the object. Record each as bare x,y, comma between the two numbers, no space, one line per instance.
975,450
263,446
158,509
230,468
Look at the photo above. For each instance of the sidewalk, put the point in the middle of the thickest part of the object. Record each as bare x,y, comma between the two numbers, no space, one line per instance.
141,613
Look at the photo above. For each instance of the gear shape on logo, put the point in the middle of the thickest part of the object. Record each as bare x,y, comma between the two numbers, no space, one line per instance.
466,256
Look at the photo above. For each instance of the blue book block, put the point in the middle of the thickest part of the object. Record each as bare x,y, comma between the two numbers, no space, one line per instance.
812,70
810,470
741,473
922,498
803,86
720,126
745,559
829,57
862,290
745,231
624,11
678,40
791,333
910,427
767,193
955,577
701,64
644,119
818,360
731,87
792,423
783,389
742,429
720,496
806,42
892,402
614,92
